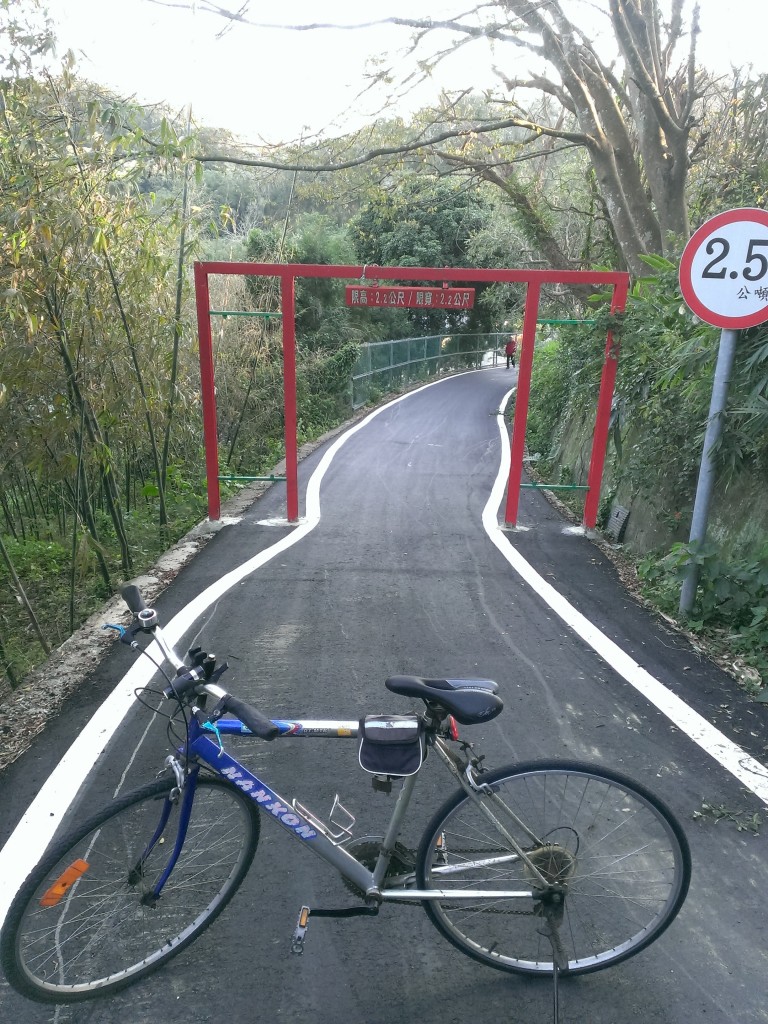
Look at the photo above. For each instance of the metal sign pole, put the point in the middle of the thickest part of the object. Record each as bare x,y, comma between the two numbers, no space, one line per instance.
722,272
706,484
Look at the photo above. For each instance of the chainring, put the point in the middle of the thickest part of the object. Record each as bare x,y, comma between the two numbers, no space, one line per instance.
366,850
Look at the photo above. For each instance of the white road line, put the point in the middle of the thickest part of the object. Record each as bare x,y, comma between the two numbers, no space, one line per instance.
750,772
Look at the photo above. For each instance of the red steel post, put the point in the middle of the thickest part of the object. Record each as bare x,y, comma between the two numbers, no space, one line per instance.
603,417
288,305
210,429
521,403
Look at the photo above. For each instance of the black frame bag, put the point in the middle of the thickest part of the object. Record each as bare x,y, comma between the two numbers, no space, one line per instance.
391,744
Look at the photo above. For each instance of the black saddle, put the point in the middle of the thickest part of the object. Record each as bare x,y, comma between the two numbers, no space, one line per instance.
469,700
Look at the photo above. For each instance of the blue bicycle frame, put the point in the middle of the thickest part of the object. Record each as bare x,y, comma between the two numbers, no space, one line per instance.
308,829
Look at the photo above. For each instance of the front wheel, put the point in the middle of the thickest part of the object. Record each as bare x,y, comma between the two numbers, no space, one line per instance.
617,852
85,922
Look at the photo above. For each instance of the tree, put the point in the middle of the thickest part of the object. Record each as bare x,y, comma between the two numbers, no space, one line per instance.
733,167
637,129
25,31
424,222
634,113
637,120
88,282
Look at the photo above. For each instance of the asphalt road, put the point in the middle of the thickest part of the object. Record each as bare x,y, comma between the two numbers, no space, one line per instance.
399,576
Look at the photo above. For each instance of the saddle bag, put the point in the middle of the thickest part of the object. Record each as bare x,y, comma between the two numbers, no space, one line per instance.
391,744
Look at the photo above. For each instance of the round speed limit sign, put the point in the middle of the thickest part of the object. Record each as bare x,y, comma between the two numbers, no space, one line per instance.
724,270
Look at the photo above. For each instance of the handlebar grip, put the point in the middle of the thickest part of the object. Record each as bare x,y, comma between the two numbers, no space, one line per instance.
132,597
256,722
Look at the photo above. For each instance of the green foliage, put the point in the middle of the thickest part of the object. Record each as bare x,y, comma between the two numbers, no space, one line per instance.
550,383
732,169
422,223
323,384
88,290
663,389
732,593
25,34
264,246
731,599
36,560
745,821
323,321
45,569
425,222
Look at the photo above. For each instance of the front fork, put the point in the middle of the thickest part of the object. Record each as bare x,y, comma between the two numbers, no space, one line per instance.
183,793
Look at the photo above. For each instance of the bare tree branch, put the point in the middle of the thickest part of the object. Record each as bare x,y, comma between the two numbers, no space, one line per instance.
632,33
634,117
540,84
493,30
425,142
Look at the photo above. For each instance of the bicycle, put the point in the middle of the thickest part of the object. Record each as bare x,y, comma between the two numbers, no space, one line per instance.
545,868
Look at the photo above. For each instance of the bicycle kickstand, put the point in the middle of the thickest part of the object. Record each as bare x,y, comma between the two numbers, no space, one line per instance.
555,992
553,912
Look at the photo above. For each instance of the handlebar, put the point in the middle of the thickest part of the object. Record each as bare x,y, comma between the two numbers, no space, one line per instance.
259,724
132,597
195,678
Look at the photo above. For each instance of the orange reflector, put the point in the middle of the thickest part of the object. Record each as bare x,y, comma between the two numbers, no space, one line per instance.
64,883
303,917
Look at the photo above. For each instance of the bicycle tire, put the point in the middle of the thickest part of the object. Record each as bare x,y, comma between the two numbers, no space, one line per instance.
622,855
99,937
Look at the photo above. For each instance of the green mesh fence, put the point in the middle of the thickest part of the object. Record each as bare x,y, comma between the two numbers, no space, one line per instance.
386,366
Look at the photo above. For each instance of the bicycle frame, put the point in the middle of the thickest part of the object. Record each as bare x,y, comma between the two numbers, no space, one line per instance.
311,832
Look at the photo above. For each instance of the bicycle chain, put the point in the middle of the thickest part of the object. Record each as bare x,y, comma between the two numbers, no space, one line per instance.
493,910
482,910
366,854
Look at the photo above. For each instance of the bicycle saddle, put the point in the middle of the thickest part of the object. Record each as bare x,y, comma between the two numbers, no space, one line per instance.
469,700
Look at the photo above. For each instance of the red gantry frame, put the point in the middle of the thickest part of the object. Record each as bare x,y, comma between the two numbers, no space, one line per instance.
287,273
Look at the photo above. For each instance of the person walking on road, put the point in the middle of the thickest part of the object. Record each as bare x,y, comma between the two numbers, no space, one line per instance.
510,350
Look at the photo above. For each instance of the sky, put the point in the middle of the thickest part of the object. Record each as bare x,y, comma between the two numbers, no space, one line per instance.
269,85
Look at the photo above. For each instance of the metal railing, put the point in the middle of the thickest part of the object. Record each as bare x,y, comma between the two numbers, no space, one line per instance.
386,366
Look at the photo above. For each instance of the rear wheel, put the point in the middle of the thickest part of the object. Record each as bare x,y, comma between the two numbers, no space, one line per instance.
84,923
615,848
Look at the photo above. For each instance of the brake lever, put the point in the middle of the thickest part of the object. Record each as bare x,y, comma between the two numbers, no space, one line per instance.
208,724
126,636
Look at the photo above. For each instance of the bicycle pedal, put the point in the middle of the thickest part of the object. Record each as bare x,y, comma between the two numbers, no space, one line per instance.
300,932
441,850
